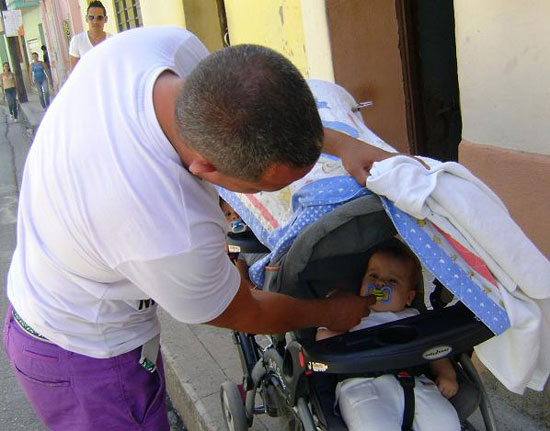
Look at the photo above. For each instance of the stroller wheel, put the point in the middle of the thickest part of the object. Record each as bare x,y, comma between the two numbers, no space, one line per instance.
234,413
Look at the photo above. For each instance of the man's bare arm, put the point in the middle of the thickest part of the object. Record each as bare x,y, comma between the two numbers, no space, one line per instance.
260,312
73,61
357,156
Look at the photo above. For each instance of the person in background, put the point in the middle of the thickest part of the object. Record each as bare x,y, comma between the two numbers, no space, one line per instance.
9,88
96,16
39,76
46,61
45,56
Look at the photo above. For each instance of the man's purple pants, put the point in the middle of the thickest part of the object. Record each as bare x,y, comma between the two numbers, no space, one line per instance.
74,392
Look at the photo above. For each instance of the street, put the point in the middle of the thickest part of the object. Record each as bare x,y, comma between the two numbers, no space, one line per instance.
15,411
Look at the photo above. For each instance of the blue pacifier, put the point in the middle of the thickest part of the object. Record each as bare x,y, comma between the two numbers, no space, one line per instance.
238,226
382,294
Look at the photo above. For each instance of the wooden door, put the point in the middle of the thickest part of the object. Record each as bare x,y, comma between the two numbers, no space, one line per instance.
400,54
364,38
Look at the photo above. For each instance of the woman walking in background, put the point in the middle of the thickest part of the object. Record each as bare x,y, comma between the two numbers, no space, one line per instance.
9,88
38,76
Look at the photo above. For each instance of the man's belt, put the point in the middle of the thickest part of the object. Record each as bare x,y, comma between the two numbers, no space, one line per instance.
27,328
149,351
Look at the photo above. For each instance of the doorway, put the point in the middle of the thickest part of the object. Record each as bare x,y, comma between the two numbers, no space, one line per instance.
401,55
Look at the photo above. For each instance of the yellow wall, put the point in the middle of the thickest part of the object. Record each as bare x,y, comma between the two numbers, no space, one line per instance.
317,42
31,19
170,13
273,23
202,19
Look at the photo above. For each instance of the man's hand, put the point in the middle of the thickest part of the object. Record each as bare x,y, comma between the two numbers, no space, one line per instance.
357,156
259,312
359,159
347,310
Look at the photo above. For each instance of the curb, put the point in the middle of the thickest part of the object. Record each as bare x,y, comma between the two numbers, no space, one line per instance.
184,398
25,112
197,360
193,377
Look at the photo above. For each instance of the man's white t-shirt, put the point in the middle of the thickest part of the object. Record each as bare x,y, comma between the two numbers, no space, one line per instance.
108,216
80,44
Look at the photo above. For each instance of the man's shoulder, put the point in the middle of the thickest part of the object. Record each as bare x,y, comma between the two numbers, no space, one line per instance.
77,40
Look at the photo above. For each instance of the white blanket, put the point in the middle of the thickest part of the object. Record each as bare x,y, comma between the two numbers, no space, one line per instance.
465,208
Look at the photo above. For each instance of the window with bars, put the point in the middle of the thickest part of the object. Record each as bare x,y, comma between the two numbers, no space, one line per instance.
128,14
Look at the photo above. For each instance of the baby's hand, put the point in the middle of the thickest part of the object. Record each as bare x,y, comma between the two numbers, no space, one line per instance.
447,386
323,333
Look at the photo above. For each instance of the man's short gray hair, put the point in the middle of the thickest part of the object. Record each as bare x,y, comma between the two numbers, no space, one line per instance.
246,107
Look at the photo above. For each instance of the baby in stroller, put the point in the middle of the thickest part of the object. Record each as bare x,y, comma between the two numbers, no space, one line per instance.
296,375
321,232
376,403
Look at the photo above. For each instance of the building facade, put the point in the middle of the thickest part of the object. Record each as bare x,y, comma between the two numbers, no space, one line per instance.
500,51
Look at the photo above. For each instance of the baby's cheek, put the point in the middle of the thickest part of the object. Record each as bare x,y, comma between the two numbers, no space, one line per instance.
378,307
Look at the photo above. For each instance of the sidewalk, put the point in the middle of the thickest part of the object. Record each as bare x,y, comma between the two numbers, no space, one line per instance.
32,110
197,360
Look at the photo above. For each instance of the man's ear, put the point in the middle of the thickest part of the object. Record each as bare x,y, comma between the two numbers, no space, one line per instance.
200,167
410,297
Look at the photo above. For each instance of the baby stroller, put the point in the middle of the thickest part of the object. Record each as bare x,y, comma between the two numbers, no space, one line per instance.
295,376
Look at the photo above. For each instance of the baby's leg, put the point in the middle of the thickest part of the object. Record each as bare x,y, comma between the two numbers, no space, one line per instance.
371,404
433,412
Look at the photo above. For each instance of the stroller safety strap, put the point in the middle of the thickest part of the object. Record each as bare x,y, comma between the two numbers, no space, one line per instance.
407,383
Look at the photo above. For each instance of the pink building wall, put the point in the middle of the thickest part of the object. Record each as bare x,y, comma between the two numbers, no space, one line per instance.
521,180
62,19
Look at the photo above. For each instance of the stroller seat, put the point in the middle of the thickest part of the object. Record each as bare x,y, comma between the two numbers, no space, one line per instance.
299,372
398,345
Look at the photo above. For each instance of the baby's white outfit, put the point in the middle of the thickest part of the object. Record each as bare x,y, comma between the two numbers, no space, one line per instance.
377,404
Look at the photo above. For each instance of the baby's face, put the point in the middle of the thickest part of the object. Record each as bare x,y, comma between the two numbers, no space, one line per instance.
385,270
228,212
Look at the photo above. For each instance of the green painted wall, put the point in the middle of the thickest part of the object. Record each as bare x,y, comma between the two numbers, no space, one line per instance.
31,18
4,49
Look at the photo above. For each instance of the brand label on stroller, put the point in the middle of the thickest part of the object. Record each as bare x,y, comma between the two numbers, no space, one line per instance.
233,248
437,352
318,367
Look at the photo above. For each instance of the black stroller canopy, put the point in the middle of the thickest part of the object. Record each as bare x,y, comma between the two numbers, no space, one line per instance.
333,251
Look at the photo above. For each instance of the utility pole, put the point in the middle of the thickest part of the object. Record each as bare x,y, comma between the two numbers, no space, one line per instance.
12,47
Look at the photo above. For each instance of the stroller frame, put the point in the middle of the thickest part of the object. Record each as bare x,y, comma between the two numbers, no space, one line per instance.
288,377
286,371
